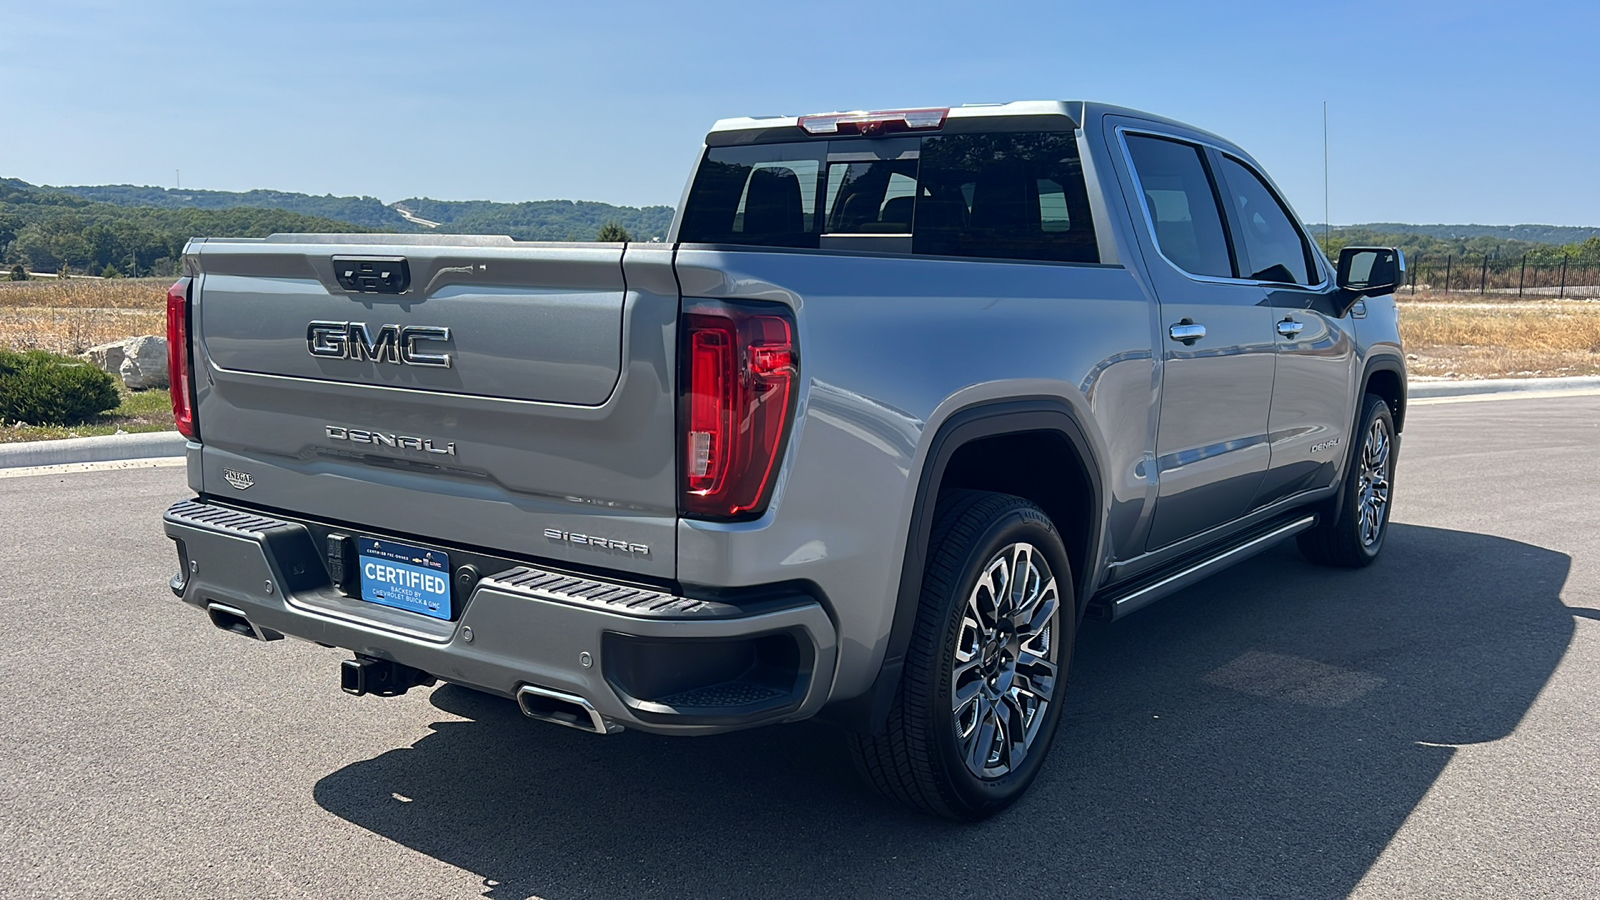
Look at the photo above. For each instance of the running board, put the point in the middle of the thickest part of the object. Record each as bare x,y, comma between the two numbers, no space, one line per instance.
1115,605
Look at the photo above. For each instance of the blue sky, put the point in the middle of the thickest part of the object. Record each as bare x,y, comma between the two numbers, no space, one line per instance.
1439,112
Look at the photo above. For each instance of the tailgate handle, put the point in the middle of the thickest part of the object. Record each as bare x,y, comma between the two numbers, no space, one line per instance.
372,274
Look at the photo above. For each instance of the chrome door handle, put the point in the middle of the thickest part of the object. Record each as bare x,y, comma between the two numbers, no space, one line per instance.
1290,328
1186,331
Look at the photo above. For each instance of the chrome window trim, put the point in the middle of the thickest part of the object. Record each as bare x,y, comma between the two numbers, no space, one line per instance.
1150,223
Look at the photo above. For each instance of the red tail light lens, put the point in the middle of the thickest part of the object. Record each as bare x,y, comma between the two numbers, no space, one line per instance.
738,399
180,374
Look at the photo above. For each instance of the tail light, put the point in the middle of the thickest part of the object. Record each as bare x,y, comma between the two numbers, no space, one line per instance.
180,357
740,371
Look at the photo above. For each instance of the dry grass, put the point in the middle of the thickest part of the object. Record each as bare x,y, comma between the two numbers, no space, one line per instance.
86,293
1474,338
73,315
1455,335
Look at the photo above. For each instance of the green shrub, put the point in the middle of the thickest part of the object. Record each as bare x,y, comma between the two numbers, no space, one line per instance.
613,231
18,273
48,389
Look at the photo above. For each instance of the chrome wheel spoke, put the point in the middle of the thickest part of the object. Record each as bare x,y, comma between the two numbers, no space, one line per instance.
965,696
981,743
1041,614
1035,675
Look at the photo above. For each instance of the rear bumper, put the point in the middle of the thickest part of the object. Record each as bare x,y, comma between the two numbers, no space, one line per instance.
640,657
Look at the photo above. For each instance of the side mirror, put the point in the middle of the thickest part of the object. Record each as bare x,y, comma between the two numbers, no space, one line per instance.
1370,271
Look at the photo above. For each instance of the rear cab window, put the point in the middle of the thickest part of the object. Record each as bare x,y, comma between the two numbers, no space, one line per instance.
1016,195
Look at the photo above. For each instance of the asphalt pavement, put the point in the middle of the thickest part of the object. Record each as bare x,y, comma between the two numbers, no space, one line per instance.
1426,727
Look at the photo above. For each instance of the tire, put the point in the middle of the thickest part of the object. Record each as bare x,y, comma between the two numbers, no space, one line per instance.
1354,538
1008,663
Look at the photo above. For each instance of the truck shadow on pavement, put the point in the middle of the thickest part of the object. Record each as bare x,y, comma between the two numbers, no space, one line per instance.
1265,733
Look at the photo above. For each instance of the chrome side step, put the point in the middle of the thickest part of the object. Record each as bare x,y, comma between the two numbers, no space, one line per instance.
1118,607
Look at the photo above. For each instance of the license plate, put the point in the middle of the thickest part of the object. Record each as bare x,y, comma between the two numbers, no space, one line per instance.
405,577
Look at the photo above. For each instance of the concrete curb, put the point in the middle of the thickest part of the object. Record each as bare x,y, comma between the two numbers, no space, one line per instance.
1422,389
147,445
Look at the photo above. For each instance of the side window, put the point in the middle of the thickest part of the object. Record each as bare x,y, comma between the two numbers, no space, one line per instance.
1274,249
1003,196
764,195
1182,204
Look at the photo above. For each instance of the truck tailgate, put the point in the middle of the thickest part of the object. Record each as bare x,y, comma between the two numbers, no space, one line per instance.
516,397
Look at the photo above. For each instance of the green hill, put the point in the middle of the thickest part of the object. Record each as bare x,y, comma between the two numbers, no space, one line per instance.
541,220
1528,234
48,230
368,211
537,220
1541,244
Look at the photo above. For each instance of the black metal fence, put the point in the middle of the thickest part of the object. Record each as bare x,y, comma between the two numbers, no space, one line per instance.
1571,276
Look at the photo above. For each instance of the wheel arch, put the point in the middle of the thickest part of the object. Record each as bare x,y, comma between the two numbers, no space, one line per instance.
1014,431
1385,376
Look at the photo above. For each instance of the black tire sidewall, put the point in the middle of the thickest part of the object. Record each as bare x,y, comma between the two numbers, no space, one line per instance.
978,797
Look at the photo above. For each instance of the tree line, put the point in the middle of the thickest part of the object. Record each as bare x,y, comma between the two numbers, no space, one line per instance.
57,230
1487,242
48,231
535,220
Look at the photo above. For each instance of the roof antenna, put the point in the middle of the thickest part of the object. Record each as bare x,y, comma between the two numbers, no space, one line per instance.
1325,219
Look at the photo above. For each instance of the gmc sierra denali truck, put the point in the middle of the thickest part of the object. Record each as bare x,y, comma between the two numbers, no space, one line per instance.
904,397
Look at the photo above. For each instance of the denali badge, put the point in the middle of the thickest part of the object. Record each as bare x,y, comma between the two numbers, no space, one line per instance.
598,543
240,480
391,343
1318,448
386,439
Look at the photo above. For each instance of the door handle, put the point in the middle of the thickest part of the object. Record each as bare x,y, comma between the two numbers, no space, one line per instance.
1290,328
1187,331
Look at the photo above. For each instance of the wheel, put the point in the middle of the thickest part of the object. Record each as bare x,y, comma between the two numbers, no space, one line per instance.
1354,538
980,694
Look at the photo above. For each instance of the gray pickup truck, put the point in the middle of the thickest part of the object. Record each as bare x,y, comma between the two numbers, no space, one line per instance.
903,398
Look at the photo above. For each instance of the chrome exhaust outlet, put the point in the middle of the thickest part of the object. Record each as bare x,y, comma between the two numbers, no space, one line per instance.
229,619
563,709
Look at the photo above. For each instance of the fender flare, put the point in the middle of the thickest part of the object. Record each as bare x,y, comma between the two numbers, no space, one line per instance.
1384,362
1387,362
869,712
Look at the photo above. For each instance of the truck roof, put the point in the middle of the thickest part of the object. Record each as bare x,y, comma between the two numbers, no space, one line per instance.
1076,112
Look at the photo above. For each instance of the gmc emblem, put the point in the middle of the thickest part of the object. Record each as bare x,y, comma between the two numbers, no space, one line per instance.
390,344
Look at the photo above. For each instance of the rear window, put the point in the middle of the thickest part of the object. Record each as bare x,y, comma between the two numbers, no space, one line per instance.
1000,196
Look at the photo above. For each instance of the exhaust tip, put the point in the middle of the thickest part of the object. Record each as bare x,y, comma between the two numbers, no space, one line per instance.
562,708
229,619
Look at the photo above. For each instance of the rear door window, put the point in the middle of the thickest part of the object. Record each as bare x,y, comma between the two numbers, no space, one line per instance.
997,196
1184,214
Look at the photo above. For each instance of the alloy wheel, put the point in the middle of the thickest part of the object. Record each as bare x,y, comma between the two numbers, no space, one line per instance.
1005,671
1372,488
